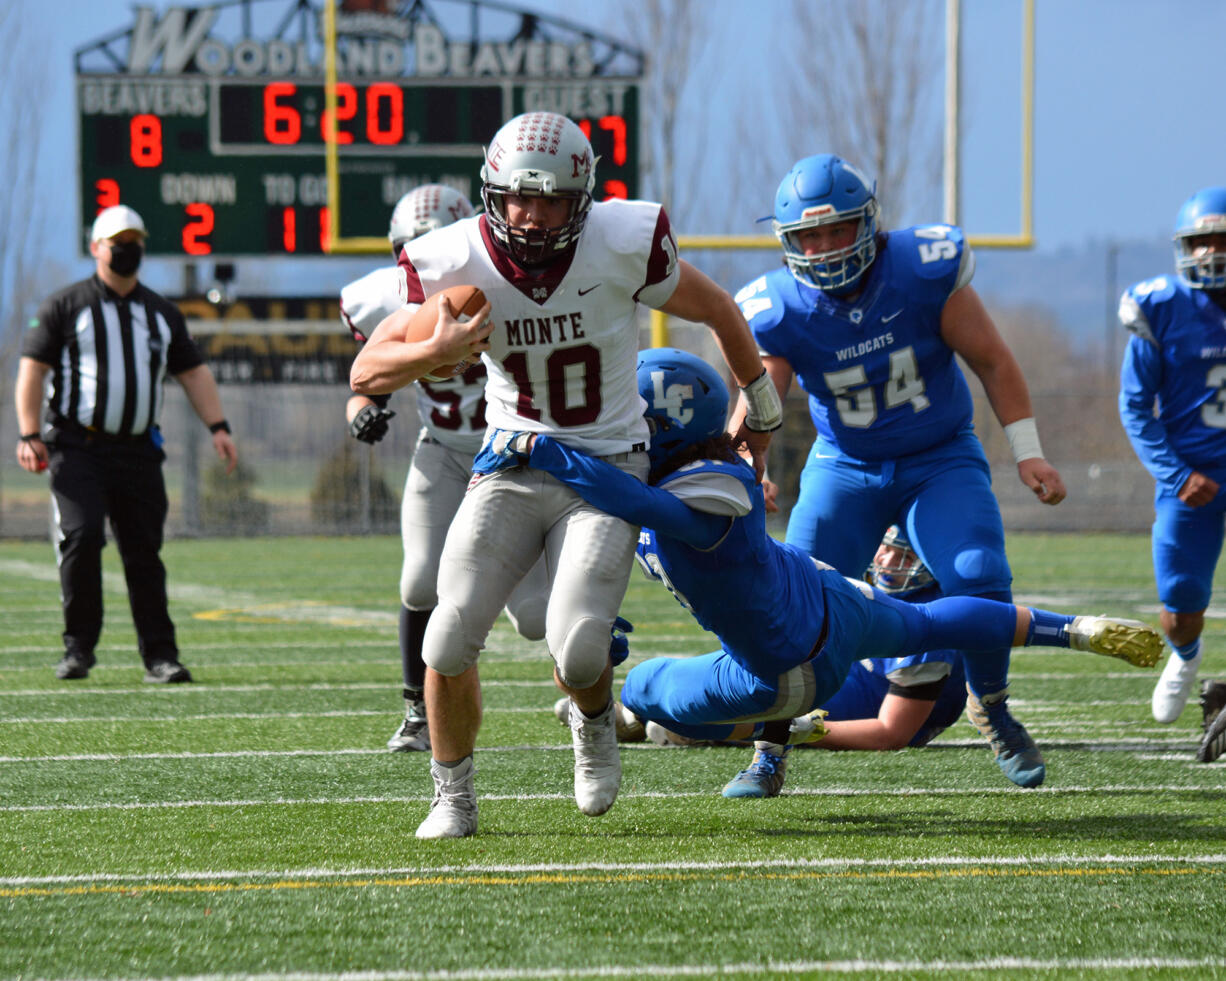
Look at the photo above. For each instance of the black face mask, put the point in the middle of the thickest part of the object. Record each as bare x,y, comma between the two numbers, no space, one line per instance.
126,257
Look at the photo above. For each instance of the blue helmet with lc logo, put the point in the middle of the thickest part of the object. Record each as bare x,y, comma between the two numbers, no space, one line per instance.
687,400
1201,265
825,190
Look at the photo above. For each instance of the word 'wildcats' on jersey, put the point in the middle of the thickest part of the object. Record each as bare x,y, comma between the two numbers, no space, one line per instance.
882,382
563,353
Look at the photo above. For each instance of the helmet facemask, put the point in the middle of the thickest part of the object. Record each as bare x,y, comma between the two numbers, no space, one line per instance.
1201,267
1200,239
534,246
839,270
896,568
538,154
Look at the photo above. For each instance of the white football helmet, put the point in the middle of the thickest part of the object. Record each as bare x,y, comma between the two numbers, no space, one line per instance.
538,154
424,209
896,568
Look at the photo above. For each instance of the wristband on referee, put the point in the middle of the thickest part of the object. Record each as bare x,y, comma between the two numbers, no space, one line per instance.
31,437
763,410
218,427
1024,440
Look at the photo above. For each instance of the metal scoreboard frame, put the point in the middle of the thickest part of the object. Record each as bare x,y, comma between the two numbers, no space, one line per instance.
291,127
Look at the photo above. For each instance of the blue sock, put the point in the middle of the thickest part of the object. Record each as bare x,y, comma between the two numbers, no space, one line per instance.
982,628
1188,651
1047,629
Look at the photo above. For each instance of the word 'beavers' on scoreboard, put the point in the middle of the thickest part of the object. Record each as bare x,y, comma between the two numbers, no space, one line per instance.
223,159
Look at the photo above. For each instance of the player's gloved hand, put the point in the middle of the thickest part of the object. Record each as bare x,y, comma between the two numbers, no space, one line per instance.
370,424
504,450
619,647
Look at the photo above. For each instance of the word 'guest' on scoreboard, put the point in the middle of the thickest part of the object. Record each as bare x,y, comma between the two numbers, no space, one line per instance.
214,126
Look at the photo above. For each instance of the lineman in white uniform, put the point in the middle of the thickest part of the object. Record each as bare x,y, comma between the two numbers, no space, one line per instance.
452,414
563,278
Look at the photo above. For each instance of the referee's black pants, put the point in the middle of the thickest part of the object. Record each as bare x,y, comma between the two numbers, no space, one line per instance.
93,478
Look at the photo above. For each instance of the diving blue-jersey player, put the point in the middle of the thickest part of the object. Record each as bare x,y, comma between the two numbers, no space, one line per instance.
789,626
883,703
869,322
1176,358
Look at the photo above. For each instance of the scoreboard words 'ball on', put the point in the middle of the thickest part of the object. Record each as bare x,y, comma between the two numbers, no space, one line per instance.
466,302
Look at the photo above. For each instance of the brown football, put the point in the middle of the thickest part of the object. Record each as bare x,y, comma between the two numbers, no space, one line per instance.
465,302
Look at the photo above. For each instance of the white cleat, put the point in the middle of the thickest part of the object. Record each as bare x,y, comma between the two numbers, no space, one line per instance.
413,736
1130,640
628,725
1174,687
598,764
453,814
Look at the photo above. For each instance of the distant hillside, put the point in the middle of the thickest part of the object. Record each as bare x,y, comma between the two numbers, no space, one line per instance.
1074,285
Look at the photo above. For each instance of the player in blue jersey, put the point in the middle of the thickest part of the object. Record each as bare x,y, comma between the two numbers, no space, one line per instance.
789,625
884,703
1176,358
869,322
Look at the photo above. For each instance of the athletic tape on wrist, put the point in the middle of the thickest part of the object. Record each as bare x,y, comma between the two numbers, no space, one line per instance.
763,410
1024,440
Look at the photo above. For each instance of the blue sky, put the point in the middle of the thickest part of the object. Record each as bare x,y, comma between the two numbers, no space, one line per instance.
1127,124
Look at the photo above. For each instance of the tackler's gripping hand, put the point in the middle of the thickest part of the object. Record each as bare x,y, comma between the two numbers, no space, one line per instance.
503,451
619,646
370,424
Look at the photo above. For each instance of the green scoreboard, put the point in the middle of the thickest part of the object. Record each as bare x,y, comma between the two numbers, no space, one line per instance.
220,165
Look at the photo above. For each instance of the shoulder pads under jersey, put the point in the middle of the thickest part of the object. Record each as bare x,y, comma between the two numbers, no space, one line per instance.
713,486
366,301
1139,299
934,252
623,227
443,250
763,301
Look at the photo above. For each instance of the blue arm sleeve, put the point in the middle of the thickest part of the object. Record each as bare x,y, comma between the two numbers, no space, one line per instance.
604,486
1140,379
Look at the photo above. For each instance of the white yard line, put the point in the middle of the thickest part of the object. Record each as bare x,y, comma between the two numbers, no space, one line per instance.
1141,746
756,863
76,689
228,602
1132,738
768,968
1147,789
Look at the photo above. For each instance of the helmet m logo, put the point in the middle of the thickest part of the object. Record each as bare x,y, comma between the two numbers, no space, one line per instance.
582,163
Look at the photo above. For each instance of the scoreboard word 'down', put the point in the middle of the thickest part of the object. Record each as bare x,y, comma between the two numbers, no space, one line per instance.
221,165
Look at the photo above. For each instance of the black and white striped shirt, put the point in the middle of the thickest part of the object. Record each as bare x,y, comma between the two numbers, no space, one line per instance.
109,355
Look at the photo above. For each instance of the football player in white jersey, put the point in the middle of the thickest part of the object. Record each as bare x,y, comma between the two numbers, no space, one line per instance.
563,277
452,414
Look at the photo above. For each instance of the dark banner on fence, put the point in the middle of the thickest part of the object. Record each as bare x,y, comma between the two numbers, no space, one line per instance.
261,340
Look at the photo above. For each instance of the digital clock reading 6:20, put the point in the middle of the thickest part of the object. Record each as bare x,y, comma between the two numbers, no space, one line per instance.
228,167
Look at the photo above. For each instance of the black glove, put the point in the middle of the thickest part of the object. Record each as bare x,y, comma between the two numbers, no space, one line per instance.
370,424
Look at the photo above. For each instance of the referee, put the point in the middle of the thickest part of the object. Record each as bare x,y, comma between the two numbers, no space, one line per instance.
107,344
